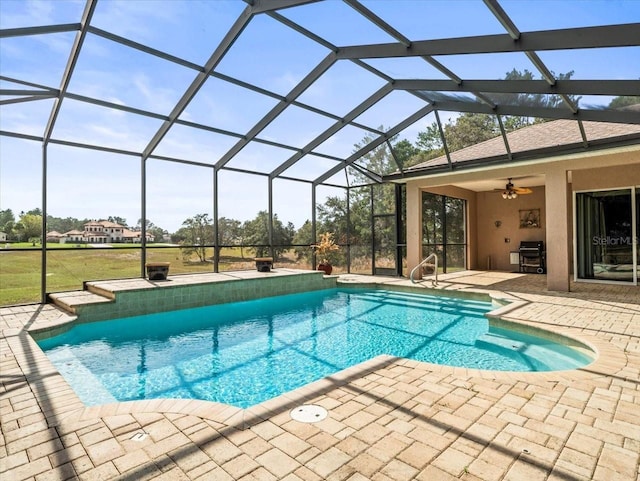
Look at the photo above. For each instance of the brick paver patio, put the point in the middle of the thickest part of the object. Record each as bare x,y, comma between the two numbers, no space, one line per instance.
389,419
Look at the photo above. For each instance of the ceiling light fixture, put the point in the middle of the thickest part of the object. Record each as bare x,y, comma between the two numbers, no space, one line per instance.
510,192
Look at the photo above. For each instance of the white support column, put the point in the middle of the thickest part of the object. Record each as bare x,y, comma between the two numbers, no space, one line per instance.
559,230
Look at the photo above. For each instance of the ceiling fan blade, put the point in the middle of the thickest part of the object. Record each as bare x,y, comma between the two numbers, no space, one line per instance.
518,190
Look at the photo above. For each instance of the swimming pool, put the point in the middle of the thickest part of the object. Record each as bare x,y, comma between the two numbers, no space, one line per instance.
247,352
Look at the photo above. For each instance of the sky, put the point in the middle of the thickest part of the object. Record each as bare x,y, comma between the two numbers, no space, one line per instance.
85,183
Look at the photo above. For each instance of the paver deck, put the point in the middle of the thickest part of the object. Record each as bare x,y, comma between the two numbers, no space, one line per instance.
389,418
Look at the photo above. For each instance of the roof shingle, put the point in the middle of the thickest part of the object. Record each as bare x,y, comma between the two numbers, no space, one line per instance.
535,137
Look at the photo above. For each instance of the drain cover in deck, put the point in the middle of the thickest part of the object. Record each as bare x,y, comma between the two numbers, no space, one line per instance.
308,413
139,436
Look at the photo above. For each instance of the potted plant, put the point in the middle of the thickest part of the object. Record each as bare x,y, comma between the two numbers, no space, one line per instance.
323,249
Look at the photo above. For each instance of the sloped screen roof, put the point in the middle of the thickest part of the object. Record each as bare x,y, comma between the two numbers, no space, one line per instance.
290,88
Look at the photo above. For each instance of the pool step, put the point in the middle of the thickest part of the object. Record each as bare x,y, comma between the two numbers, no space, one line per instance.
511,348
86,384
70,300
100,290
500,342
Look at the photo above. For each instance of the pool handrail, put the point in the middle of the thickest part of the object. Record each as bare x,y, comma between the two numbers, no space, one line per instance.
434,280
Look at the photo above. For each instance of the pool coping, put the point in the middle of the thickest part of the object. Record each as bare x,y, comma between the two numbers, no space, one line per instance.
68,406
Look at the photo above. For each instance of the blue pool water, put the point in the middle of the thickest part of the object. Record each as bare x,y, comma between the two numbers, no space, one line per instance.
245,353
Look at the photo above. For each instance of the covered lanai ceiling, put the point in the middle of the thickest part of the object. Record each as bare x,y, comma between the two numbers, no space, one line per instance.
302,89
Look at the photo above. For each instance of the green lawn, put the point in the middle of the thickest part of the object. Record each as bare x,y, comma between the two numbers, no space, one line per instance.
67,269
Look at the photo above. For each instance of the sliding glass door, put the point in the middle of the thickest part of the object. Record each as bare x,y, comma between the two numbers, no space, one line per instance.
606,229
443,231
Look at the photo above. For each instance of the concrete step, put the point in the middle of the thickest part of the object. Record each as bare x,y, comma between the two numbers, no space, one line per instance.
70,300
96,288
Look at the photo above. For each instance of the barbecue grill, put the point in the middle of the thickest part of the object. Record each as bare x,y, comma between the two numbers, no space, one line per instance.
532,256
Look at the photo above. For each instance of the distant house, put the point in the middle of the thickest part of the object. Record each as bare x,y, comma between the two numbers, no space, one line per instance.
74,236
100,232
103,232
113,230
136,236
3,237
55,236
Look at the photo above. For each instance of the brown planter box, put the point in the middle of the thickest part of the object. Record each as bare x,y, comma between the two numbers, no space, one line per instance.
157,271
264,264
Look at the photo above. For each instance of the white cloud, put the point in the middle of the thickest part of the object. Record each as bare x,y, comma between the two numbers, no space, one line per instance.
26,13
138,19
286,82
156,97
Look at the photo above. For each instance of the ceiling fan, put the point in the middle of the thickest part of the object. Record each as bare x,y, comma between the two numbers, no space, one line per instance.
511,192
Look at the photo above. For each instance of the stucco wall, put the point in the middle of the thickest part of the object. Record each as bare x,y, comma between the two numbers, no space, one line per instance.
606,177
492,240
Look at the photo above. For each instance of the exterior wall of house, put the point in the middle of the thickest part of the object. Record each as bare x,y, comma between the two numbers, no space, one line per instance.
497,242
414,220
606,177
616,168
115,234
484,239
74,237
